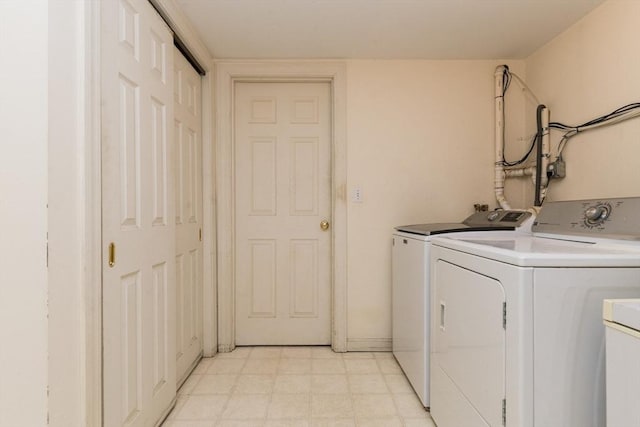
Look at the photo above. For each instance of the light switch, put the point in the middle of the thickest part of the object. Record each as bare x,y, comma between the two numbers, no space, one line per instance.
356,196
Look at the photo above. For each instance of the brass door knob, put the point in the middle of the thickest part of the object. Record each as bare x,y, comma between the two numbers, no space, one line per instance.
324,225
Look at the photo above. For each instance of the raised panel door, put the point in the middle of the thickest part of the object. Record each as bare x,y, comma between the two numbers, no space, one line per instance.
282,186
138,287
187,168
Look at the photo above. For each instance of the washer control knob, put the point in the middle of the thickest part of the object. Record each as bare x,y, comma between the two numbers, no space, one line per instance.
492,216
597,214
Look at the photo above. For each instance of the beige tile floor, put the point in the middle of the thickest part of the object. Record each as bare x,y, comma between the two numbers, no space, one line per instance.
297,386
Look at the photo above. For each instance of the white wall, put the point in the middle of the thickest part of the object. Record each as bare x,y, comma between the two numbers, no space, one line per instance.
589,70
43,365
71,278
420,146
23,213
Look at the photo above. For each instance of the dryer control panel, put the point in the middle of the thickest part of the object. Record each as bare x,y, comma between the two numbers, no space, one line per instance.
607,218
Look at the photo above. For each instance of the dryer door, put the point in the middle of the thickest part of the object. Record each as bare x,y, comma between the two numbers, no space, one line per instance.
469,346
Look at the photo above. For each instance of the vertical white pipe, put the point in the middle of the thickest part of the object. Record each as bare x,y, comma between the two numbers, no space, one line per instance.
499,138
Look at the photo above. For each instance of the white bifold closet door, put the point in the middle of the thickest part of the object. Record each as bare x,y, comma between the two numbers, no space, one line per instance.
139,365
188,203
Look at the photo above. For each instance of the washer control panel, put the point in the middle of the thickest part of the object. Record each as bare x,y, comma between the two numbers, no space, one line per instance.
611,218
498,218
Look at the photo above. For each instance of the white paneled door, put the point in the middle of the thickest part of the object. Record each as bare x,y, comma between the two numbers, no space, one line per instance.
139,240
282,213
188,203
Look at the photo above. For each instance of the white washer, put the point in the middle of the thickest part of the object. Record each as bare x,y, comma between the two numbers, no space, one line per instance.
622,321
410,287
517,335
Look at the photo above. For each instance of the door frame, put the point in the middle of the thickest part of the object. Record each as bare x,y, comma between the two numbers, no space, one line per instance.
228,73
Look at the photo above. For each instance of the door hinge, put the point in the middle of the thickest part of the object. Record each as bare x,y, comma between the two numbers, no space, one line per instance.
200,234
504,315
504,412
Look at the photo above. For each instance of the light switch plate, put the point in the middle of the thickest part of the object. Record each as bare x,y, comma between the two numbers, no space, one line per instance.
356,196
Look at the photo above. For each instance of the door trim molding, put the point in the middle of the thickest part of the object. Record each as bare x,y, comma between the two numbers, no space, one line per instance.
227,74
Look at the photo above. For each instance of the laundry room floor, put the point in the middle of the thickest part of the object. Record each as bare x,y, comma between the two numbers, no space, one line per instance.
297,386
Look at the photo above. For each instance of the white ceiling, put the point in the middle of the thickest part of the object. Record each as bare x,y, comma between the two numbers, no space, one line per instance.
385,29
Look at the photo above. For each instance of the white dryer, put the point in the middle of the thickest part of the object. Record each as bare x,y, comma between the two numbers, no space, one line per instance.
410,286
517,333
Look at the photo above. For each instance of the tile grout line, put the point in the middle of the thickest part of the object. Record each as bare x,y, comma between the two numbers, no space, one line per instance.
266,411
218,419
349,377
393,397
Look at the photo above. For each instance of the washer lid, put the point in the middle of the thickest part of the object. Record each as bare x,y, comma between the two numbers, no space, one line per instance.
447,227
479,221
625,312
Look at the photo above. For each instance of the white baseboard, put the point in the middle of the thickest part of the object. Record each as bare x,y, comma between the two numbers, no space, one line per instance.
189,371
368,344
